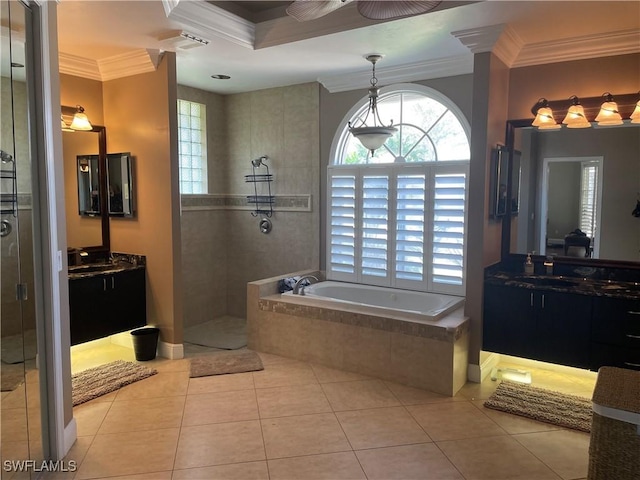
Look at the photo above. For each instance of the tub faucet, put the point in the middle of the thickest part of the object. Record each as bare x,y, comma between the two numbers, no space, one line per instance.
298,288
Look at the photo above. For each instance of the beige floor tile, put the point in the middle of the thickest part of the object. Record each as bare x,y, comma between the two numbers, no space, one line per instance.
514,424
236,471
220,407
129,453
162,384
15,398
566,452
330,466
167,365
359,394
89,417
289,401
381,427
284,374
409,462
303,435
221,383
79,450
221,443
269,359
143,414
495,458
142,476
453,420
14,425
474,391
417,396
329,375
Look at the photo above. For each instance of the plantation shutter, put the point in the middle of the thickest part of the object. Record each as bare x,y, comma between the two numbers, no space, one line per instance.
448,231
342,227
375,229
410,227
588,195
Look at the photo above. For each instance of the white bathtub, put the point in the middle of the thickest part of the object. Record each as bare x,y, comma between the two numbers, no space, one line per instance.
389,301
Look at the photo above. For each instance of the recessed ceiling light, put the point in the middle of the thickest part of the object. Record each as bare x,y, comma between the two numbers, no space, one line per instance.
220,76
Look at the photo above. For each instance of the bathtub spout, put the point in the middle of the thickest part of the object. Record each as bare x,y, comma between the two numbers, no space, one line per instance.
298,288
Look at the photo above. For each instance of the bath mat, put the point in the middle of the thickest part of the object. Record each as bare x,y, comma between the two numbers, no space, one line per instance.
227,333
569,411
225,362
98,381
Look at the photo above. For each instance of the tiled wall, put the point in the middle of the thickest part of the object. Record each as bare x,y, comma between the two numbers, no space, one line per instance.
222,246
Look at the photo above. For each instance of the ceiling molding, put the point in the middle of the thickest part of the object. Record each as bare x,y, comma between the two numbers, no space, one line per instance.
579,48
135,62
508,46
131,63
210,21
445,67
480,40
79,66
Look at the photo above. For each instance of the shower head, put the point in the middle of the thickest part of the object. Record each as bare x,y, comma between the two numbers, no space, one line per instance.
259,161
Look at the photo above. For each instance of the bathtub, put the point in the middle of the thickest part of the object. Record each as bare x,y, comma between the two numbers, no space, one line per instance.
386,301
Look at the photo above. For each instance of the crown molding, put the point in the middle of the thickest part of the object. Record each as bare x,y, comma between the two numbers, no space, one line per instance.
135,62
480,40
79,66
508,46
579,48
444,67
210,21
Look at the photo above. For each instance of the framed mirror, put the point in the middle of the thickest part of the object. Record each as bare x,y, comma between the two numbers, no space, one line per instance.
120,184
500,195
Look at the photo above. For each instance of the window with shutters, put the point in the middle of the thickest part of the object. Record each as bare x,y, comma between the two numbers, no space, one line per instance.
398,218
588,198
192,147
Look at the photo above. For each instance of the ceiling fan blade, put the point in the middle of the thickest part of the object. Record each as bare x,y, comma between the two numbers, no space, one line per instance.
388,9
303,10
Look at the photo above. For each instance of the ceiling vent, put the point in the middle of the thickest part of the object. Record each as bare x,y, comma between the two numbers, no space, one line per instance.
180,39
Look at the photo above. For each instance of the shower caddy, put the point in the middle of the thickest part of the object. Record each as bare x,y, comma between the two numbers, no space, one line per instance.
9,191
263,204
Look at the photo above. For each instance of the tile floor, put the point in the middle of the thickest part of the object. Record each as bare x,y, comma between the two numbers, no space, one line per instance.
299,421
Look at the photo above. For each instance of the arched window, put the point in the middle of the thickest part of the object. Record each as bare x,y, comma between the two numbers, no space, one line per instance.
397,218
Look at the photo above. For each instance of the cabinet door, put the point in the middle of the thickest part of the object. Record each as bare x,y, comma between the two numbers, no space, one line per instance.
563,328
88,309
616,321
127,300
508,321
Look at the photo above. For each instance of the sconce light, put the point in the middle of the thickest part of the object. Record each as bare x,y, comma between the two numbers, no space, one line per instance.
544,116
609,114
80,120
635,116
372,137
84,165
575,117
64,126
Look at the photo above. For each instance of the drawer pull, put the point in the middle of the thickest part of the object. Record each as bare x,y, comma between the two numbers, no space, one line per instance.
632,364
633,336
104,284
633,312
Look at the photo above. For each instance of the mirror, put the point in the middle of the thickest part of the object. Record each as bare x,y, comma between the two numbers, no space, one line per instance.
576,179
499,182
89,230
120,184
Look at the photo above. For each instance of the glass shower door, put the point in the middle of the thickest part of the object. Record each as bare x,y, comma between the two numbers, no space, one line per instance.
20,430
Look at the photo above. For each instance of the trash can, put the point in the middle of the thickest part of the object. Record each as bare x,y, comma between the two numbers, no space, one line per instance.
145,343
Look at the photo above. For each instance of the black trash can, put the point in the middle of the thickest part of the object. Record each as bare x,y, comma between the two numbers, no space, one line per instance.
145,343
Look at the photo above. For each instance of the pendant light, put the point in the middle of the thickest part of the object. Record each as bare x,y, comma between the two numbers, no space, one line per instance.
575,117
635,116
374,136
544,116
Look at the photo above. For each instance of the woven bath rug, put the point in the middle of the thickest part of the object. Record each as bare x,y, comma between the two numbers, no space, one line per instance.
98,381
569,411
225,362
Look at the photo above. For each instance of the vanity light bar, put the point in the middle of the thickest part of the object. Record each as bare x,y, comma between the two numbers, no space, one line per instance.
560,111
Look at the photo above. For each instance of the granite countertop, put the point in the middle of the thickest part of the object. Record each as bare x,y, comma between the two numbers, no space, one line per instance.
98,269
581,286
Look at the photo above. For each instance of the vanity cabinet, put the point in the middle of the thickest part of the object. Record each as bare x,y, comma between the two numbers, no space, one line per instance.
106,303
537,324
616,333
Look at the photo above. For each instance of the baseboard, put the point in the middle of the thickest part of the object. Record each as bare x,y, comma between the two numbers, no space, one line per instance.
477,373
172,351
69,436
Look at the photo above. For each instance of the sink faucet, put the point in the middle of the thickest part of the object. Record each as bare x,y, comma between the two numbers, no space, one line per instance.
548,263
298,288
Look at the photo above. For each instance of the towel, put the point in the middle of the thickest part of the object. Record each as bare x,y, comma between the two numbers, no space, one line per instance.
287,284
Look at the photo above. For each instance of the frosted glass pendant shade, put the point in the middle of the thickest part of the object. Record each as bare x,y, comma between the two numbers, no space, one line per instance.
609,114
544,119
373,138
635,116
575,117
81,122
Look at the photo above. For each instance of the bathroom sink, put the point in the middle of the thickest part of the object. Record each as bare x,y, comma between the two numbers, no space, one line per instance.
550,281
